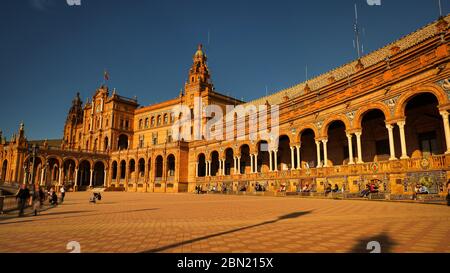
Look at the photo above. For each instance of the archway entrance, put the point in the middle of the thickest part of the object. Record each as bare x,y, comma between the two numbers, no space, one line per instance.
229,161
99,174
374,138
159,167
201,172
4,170
337,147
424,127
171,165
284,153
245,159
263,164
85,173
123,142
308,149
215,165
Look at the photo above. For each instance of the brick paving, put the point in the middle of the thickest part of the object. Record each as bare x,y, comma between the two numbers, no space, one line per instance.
178,223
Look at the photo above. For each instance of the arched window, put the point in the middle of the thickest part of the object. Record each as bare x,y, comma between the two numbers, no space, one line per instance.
140,124
153,122
166,119
146,123
159,120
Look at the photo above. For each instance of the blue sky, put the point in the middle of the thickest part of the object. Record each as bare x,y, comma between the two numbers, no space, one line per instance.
49,50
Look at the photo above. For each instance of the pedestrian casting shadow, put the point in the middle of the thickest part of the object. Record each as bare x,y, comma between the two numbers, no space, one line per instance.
283,217
367,245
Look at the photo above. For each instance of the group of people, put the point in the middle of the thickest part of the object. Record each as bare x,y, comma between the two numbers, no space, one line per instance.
330,189
259,188
370,188
36,198
421,189
198,189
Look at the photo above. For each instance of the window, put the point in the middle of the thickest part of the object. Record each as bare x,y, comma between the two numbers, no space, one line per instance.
428,143
146,123
127,124
153,122
166,119
155,138
140,124
159,121
141,142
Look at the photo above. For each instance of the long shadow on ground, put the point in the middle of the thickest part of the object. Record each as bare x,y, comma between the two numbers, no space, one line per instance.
283,217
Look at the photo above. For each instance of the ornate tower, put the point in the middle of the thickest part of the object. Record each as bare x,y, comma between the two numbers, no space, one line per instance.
199,80
73,122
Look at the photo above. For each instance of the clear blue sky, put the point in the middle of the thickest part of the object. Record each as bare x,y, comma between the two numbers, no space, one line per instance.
49,50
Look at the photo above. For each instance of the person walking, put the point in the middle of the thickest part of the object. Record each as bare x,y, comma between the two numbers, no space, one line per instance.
63,193
23,195
37,198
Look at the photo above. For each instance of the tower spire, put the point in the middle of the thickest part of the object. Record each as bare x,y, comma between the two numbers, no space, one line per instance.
199,77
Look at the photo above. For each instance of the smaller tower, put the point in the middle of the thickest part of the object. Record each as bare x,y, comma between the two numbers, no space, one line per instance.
199,78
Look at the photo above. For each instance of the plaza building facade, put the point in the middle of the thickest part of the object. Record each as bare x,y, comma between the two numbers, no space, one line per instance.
383,118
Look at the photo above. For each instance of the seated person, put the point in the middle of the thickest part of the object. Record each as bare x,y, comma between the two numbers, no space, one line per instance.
366,191
417,189
423,190
373,188
336,188
328,189
306,188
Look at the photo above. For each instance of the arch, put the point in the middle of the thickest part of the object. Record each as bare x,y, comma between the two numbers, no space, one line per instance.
131,169
229,160
105,144
114,170
123,169
215,165
424,127
332,119
244,151
308,148
201,160
171,165
374,136
122,142
366,109
98,178
54,157
305,128
436,90
159,166
141,168
284,153
70,165
263,161
84,173
71,158
337,145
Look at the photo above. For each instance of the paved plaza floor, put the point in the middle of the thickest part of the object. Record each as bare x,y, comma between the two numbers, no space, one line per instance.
187,223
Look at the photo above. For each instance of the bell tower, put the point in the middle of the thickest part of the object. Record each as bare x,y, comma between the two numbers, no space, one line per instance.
199,80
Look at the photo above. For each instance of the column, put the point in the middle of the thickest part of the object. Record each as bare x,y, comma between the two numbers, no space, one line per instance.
209,167
270,161
224,166
319,163
256,163
292,158
251,163
325,152
401,126
92,176
275,156
104,180
299,163
206,168
358,143
234,165
444,115
76,178
42,176
61,170
350,150
239,164
391,141
196,169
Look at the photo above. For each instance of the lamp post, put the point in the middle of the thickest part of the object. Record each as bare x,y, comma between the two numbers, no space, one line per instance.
34,150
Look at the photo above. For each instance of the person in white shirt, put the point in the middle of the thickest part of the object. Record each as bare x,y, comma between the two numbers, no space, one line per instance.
63,193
